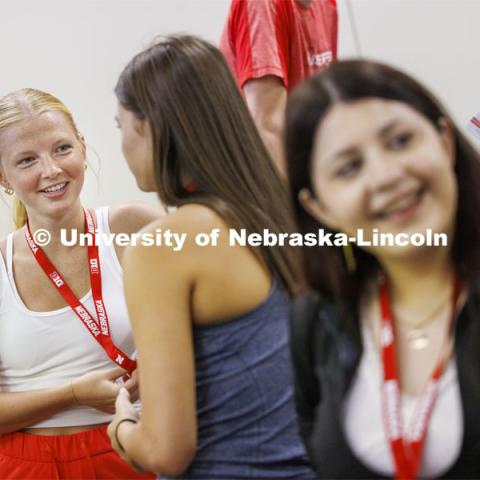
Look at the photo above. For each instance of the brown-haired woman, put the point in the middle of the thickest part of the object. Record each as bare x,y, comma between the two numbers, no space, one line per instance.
210,323
387,353
58,383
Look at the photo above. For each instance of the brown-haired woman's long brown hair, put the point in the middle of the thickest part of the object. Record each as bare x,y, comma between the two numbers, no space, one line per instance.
203,132
351,80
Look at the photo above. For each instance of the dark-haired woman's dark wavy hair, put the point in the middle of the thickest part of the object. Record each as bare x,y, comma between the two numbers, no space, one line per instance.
349,81
202,132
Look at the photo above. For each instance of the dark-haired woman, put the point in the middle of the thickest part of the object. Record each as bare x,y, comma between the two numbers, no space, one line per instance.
386,349
209,319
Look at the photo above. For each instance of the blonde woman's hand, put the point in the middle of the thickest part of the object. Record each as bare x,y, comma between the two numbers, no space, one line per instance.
130,382
99,389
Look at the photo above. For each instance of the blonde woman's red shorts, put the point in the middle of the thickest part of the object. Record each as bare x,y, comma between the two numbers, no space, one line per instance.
84,455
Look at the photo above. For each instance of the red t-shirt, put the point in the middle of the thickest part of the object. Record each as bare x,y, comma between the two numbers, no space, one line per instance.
281,38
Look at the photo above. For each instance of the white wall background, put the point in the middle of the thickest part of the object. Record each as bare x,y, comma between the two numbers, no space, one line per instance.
75,49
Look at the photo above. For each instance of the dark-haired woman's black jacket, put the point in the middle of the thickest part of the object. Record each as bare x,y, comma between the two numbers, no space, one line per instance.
327,347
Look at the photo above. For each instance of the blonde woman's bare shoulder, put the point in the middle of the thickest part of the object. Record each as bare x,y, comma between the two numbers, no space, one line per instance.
132,217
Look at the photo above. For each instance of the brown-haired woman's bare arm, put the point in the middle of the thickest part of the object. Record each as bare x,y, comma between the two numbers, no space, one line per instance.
158,291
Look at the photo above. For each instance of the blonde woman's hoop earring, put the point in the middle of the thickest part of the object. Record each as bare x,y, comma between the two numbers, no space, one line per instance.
85,166
9,190
349,258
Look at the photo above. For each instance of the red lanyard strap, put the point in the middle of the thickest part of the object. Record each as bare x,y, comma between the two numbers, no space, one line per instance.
406,454
100,331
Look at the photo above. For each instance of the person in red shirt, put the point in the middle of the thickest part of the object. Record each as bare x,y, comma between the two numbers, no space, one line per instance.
273,45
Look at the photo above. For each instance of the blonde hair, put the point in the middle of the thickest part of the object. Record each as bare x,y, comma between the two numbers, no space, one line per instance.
19,105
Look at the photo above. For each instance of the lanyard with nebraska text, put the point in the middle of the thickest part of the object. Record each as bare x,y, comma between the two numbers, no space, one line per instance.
102,334
407,453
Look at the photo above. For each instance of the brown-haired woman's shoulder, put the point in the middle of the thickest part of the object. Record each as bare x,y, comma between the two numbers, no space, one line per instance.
174,235
193,246
192,219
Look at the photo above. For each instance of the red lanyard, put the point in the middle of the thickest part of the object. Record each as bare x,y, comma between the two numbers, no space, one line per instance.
102,334
407,454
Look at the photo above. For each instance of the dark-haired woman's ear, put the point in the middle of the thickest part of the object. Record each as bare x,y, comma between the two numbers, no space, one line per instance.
447,135
314,207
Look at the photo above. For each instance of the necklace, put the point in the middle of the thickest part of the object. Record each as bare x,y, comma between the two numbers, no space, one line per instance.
417,337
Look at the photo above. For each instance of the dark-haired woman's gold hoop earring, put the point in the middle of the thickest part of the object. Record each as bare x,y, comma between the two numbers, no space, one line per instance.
349,258
9,190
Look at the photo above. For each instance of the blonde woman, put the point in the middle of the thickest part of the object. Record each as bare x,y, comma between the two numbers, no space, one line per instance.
64,327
